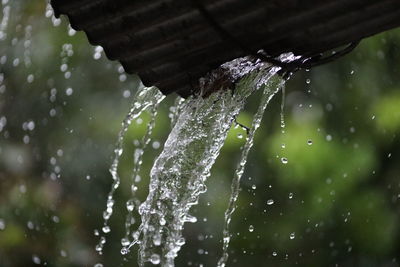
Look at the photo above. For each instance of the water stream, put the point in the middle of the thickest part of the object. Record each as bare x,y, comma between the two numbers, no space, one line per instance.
179,174
271,88
147,97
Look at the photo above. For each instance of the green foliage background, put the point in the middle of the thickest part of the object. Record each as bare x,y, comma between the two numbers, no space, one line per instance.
336,201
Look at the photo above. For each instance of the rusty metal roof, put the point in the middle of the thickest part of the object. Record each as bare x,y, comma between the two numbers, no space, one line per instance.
171,43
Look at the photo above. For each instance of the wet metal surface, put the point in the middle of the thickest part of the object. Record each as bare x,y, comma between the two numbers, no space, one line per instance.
170,44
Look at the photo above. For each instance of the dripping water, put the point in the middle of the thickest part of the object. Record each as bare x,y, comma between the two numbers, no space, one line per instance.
175,110
179,174
200,125
134,202
283,124
271,88
145,98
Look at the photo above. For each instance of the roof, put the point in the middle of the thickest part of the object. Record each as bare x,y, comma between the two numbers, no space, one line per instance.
171,43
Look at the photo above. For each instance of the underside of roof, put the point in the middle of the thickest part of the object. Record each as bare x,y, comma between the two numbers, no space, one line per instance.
171,43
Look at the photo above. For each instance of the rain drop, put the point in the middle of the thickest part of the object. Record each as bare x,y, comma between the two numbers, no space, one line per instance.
2,225
36,259
155,259
69,91
124,251
292,235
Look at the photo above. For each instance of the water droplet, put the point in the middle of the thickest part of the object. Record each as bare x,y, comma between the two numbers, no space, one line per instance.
97,53
240,136
26,139
36,259
292,235
191,219
125,242
156,145
71,32
270,202
274,254
283,146
290,195
254,187
106,229
126,93
155,259
64,67
309,142
55,219
130,206
96,232
63,253
308,81
251,228
157,240
30,125
124,251
122,77
69,91
30,78
2,224
162,221
30,225
329,138
284,160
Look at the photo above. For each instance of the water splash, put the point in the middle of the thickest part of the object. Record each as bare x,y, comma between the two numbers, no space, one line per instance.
145,98
179,174
175,110
271,88
134,202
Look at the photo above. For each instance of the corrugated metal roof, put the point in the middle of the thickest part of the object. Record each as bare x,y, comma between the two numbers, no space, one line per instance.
170,43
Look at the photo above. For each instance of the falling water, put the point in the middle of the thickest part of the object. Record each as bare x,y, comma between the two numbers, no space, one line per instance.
137,163
145,98
175,110
271,88
179,174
